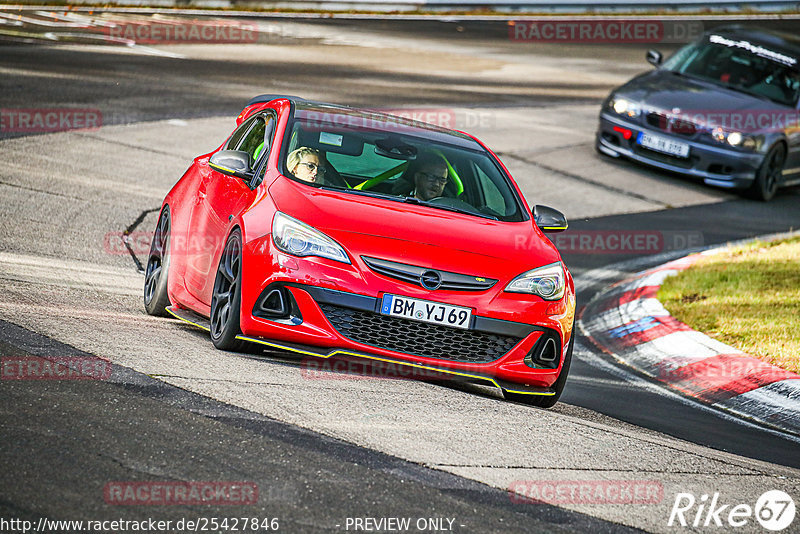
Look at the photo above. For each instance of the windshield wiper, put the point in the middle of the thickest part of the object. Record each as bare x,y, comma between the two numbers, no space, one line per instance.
372,194
683,74
750,93
452,208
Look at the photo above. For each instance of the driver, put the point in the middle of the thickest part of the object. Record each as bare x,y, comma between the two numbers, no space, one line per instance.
430,177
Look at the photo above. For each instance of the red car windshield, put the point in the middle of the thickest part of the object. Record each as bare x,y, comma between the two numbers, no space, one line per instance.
369,154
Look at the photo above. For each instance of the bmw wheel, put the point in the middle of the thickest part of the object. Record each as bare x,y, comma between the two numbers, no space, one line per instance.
769,175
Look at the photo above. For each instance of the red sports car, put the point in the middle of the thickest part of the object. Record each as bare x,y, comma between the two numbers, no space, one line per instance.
343,233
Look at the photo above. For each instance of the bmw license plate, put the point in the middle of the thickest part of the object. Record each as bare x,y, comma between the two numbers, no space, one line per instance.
426,311
663,144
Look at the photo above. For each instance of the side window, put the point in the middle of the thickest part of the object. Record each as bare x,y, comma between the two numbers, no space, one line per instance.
262,146
237,135
253,136
491,194
253,141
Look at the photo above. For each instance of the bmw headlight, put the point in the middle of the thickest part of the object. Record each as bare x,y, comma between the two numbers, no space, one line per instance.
736,139
623,106
299,239
548,282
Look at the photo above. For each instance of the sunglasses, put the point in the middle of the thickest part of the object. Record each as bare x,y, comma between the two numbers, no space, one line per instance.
314,167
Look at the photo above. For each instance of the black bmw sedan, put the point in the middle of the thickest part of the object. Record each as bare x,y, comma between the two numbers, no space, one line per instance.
725,109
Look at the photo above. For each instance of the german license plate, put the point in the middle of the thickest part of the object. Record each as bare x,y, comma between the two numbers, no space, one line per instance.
426,311
663,144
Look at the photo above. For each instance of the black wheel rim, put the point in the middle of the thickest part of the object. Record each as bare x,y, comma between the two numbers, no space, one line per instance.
225,286
774,170
155,262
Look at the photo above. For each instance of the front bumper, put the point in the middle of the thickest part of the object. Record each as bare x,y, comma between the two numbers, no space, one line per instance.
715,165
335,312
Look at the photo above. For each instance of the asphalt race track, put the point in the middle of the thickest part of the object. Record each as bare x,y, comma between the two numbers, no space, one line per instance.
323,447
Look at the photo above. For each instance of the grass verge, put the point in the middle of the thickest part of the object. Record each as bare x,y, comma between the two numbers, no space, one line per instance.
747,297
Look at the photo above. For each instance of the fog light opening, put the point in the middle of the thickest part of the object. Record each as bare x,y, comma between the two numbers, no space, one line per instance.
274,303
545,353
549,352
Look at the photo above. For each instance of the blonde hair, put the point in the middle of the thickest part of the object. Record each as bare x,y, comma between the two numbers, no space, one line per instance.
296,156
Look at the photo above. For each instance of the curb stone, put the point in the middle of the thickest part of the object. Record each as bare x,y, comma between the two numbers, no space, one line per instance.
629,323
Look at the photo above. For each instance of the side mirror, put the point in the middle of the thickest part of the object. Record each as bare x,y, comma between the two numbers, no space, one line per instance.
654,57
549,219
233,163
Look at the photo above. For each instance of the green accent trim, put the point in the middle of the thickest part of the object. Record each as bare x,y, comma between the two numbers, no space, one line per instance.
185,320
382,177
453,174
258,151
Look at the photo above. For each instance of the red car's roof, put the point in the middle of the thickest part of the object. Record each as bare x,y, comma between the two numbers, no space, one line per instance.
346,117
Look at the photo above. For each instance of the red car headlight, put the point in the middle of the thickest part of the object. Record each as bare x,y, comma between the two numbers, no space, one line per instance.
299,239
547,282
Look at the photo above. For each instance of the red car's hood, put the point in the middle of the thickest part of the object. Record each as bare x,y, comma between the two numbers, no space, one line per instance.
414,234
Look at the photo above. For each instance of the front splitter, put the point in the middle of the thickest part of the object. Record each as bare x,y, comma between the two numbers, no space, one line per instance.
428,371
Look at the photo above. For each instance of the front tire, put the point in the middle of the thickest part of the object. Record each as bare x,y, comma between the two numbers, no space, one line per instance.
227,296
769,175
156,299
542,401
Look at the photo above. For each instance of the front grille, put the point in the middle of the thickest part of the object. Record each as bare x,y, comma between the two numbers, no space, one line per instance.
412,274
676,125
417,338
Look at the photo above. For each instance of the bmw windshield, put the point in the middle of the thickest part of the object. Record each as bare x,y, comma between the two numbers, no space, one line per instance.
742,66
393,158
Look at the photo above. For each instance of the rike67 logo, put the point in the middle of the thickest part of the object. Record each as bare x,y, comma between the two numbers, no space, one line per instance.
774,510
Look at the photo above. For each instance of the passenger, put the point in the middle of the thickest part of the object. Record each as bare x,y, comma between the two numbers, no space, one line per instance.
306,164
430,176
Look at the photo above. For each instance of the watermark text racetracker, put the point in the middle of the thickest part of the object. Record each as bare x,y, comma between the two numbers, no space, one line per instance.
54,368
47,120
348,369
560,492
569,242
401,118
174,32
554,30
152,493
718,122
618,241
719,369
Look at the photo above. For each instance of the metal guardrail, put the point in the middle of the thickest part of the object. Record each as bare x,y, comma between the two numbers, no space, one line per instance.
500,7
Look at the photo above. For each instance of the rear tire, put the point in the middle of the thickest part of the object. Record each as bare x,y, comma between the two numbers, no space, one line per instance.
769,174
227,296
548,401
156,298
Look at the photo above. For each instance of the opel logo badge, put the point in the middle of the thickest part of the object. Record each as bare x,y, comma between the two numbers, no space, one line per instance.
430,280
